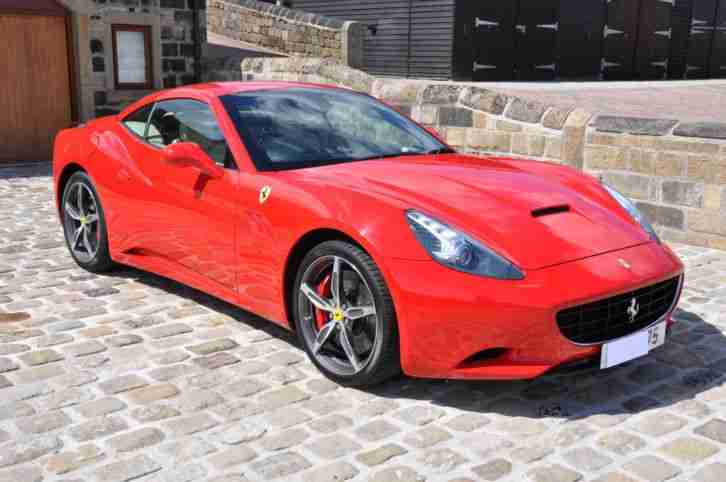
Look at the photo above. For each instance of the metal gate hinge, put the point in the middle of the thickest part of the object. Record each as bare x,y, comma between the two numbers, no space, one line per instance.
478,66
550,26
484,23
607,31
605,64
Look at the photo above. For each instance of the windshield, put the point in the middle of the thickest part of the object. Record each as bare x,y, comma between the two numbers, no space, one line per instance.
293,128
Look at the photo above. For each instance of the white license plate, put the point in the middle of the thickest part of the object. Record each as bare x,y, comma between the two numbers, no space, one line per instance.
632,346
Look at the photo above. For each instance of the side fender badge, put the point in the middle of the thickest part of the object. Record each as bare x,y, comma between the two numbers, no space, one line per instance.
265,193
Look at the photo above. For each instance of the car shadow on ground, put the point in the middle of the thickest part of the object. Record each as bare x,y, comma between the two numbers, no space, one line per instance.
691,362
208,301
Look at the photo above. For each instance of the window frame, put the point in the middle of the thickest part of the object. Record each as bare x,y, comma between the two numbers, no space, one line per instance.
154,104
151,106
264,166
146,31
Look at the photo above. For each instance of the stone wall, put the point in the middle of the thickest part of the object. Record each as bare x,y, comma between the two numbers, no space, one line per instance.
675,172
177,41
286,31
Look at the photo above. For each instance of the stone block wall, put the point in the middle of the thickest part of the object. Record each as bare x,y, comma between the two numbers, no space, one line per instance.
286,31
674,171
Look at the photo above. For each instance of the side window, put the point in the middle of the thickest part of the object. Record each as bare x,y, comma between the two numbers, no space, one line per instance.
136,121
185,120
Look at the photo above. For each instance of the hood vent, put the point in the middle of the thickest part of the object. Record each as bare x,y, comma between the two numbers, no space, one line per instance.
548,211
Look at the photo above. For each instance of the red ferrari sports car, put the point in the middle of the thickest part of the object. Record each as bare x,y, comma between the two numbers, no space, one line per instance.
331,214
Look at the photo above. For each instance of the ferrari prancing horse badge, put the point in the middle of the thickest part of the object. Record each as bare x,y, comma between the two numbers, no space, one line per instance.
265,193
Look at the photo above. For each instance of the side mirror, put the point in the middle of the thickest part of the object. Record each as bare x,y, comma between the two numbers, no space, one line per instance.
189,154
435,133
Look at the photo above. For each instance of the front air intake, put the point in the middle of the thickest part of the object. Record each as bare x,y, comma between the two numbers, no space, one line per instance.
482,357
610,318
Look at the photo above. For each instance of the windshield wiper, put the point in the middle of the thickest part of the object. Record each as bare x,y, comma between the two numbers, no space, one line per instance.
441,150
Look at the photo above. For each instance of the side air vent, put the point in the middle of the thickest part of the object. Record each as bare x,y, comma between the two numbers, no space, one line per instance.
483,357
548,211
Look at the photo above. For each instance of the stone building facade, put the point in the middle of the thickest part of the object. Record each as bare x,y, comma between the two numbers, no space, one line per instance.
178,31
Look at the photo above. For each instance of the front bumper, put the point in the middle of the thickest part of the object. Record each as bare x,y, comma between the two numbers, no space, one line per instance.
446,317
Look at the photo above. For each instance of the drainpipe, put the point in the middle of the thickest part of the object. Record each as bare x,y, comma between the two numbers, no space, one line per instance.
197,35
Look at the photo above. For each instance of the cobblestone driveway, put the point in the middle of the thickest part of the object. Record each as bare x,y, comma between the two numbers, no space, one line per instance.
130,376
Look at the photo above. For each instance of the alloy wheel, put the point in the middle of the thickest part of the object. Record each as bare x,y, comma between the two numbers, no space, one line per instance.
80,213
339,320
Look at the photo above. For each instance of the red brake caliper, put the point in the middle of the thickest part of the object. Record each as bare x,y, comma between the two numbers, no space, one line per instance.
321,318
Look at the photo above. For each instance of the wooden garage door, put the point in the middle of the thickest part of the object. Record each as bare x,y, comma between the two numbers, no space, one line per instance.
35,99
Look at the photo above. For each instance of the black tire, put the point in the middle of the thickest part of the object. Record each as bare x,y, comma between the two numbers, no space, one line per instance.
383,358
100,260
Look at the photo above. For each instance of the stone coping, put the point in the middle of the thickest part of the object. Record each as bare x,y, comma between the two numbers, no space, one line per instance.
290,14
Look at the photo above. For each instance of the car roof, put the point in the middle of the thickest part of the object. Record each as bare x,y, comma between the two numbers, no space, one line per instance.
218,89
212,90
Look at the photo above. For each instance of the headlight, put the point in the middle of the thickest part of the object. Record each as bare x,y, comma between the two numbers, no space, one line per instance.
457,250
628,205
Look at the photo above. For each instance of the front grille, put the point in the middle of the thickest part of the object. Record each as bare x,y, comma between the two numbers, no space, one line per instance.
608,319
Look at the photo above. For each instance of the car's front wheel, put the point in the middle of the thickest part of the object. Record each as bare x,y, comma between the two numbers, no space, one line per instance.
84,224
344,315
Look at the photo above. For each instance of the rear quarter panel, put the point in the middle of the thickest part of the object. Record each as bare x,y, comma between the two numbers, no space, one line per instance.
97,149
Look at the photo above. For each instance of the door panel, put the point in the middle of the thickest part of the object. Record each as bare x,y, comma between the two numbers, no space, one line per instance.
35,82
620,35
718,51
654,37
188,217
681,33
535,37
494,40
580,38
703,22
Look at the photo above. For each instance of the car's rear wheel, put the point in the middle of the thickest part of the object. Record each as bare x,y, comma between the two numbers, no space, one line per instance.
84,224
344,315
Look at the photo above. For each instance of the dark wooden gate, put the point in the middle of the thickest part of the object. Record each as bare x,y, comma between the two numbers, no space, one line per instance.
718,49
579,43
493,40
654,37
700,41
535,38
680,37
619,39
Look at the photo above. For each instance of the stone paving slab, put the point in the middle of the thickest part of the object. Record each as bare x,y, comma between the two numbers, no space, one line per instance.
132,377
